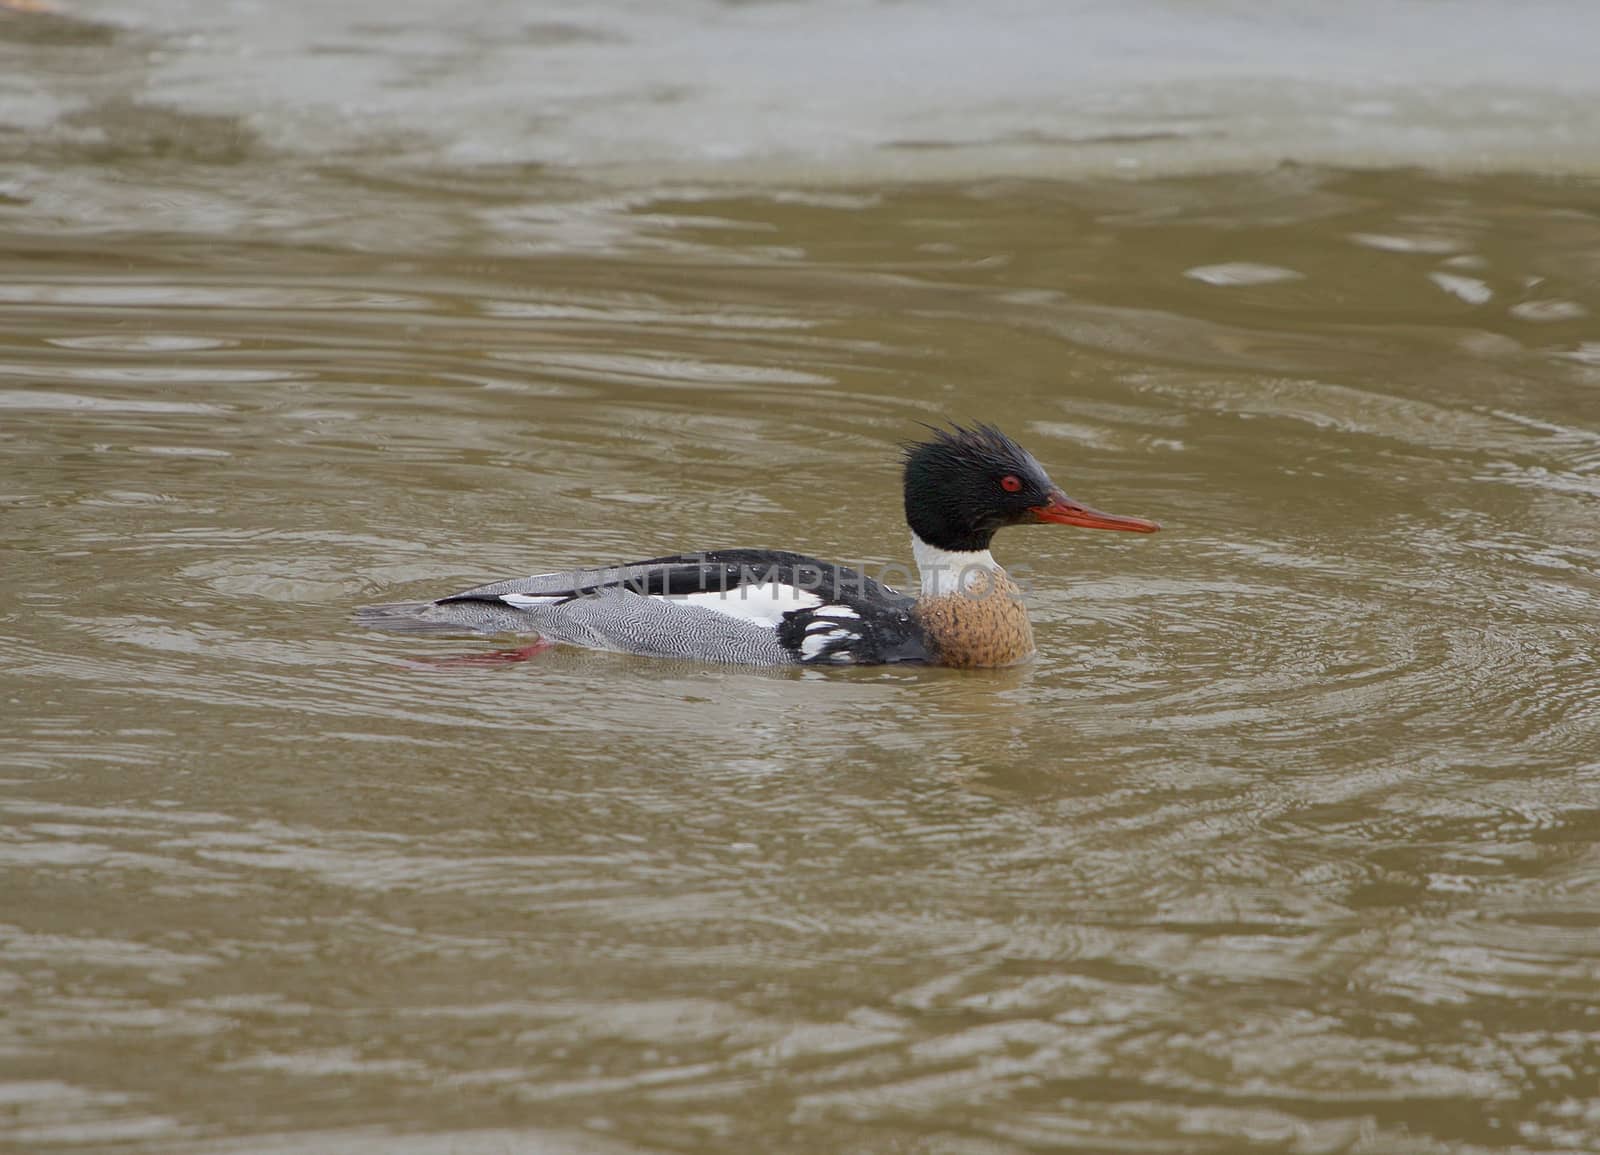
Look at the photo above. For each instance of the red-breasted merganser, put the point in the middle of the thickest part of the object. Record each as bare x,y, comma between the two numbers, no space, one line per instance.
773,608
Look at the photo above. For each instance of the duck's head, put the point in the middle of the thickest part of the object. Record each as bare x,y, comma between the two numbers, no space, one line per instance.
963,484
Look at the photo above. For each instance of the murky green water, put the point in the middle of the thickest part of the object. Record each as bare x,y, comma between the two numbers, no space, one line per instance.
1286,843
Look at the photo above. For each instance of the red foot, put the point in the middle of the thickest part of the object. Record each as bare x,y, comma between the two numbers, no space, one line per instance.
492,658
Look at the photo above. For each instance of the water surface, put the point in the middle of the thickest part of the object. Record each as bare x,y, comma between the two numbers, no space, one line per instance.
1286,843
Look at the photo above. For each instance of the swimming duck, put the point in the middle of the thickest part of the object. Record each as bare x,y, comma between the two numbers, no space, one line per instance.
774,607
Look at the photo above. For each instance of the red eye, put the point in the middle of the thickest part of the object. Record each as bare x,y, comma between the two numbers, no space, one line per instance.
1011,483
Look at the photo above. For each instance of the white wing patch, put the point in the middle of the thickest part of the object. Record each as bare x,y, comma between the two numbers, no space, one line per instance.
763,604
824,630
530,601
815,643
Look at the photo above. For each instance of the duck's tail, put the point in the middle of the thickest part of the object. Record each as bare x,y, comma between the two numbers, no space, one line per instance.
464,617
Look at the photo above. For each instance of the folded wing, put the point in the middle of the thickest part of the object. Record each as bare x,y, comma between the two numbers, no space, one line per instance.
754,607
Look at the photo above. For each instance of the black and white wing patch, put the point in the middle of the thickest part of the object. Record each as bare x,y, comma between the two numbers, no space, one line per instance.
754,607
827,633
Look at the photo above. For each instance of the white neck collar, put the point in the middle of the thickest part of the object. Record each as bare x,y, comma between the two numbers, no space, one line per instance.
950,571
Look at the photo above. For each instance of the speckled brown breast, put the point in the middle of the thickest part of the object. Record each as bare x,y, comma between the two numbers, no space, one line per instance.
986,625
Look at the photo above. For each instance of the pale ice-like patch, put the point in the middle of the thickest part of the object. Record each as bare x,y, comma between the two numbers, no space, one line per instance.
1469,289
1552,310
1389,243
1242,273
